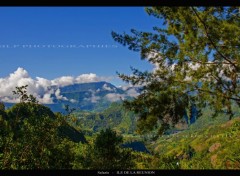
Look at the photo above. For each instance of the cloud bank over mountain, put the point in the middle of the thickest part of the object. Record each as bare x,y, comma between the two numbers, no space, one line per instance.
46,91
41,87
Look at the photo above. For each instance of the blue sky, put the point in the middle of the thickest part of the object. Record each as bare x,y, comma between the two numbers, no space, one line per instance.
66,26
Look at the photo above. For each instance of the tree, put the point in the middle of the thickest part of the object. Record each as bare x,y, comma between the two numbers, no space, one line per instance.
196,54
30,139
105,153
2,106
2,110
21,92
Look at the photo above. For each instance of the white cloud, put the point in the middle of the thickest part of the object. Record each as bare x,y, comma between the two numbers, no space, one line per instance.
127,87
114,97
41,87
10,100
43,82
155,67
105,87
194,66
153,54
87,78
59,96
73,101
63,81
47,99
93,98
132,92
7,85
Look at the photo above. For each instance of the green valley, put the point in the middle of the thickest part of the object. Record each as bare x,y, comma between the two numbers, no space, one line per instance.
180,112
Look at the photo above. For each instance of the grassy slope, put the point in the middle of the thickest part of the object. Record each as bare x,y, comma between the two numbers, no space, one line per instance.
208,144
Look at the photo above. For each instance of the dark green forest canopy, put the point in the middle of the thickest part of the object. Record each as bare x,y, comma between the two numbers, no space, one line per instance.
33,137
196,54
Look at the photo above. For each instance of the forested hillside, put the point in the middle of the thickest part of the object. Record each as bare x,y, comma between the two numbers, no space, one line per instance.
182,114
114,117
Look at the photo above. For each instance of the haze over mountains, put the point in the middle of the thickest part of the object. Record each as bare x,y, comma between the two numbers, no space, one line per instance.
84,92
95,96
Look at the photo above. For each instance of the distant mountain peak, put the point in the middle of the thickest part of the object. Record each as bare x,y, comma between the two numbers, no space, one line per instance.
90,96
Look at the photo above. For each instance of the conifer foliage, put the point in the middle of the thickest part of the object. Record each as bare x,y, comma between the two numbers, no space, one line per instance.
196,54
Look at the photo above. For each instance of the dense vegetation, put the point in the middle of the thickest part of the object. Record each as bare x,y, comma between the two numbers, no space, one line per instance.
105,153
33,137
114,117
208,144
196,52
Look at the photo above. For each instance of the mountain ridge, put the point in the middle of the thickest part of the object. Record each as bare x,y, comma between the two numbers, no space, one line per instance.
92,96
